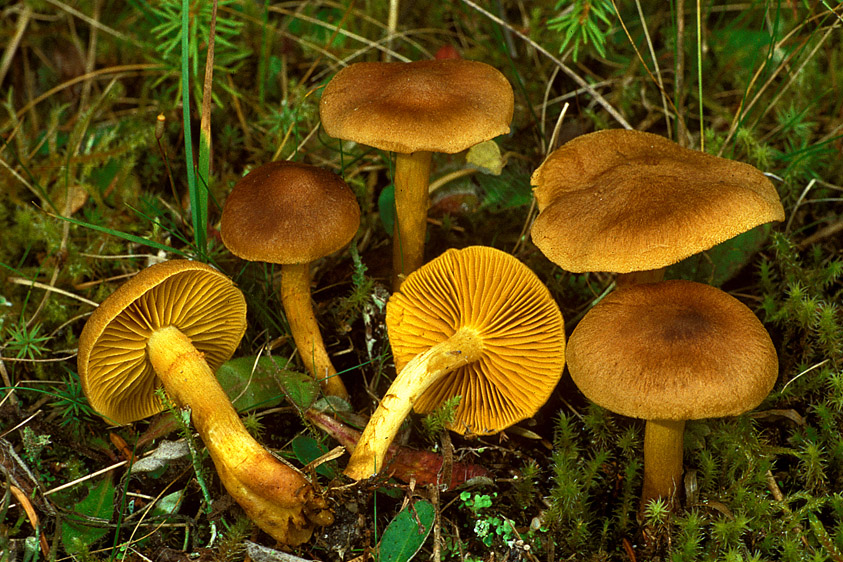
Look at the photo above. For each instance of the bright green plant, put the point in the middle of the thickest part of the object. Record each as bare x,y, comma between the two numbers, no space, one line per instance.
488,528
71,404
436,421
166,18
580,22
26,342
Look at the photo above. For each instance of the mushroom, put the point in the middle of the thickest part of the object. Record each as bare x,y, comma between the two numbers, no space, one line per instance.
474,323
172,325
293,214
415,109
627,201
669,352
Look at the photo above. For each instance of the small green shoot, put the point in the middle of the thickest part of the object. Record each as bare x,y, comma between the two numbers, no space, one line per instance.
580,24
436,421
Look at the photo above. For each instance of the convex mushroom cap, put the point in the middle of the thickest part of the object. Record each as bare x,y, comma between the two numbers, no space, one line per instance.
114,367
289,213
623,201
415,109
675,350
476,323
432,105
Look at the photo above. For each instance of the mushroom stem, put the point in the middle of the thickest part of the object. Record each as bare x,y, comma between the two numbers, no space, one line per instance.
639,277
462,348
295,296
273,495
412,176
663,440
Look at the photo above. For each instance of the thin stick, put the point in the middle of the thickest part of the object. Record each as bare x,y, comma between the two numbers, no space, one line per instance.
21,424
200,198
12,46
44,286
73,81
96,24
658,72
91,57
4,375
545,104
798,203
85,478
391,27
679,69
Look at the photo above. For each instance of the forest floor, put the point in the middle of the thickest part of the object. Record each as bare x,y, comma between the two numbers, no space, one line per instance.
104,172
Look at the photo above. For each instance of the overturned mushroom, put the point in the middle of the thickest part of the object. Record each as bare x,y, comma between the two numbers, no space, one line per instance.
172,325
474,323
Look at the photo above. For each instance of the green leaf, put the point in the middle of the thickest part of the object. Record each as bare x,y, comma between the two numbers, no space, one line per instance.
509,190
76,536
301,389
406,533
307,450
267,385
169,504
486,156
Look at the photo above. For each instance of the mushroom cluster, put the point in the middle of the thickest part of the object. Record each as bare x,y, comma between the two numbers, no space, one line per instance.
634,203
474,323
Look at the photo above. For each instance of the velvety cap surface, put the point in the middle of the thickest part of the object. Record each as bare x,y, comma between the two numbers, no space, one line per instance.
432,105
521,327
286,212
675,350
200,301
623,201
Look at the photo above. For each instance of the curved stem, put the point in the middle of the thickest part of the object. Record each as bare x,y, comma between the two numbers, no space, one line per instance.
663,440
464,347
295,295
412,175
275,496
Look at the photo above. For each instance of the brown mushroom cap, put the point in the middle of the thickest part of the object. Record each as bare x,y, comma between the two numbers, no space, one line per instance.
432,105
623,201
289,213
675,350
521,328
197,299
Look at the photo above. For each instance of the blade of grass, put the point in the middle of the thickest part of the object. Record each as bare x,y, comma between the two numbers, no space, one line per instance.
263,61
699,75
201,220
123,235
198,197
